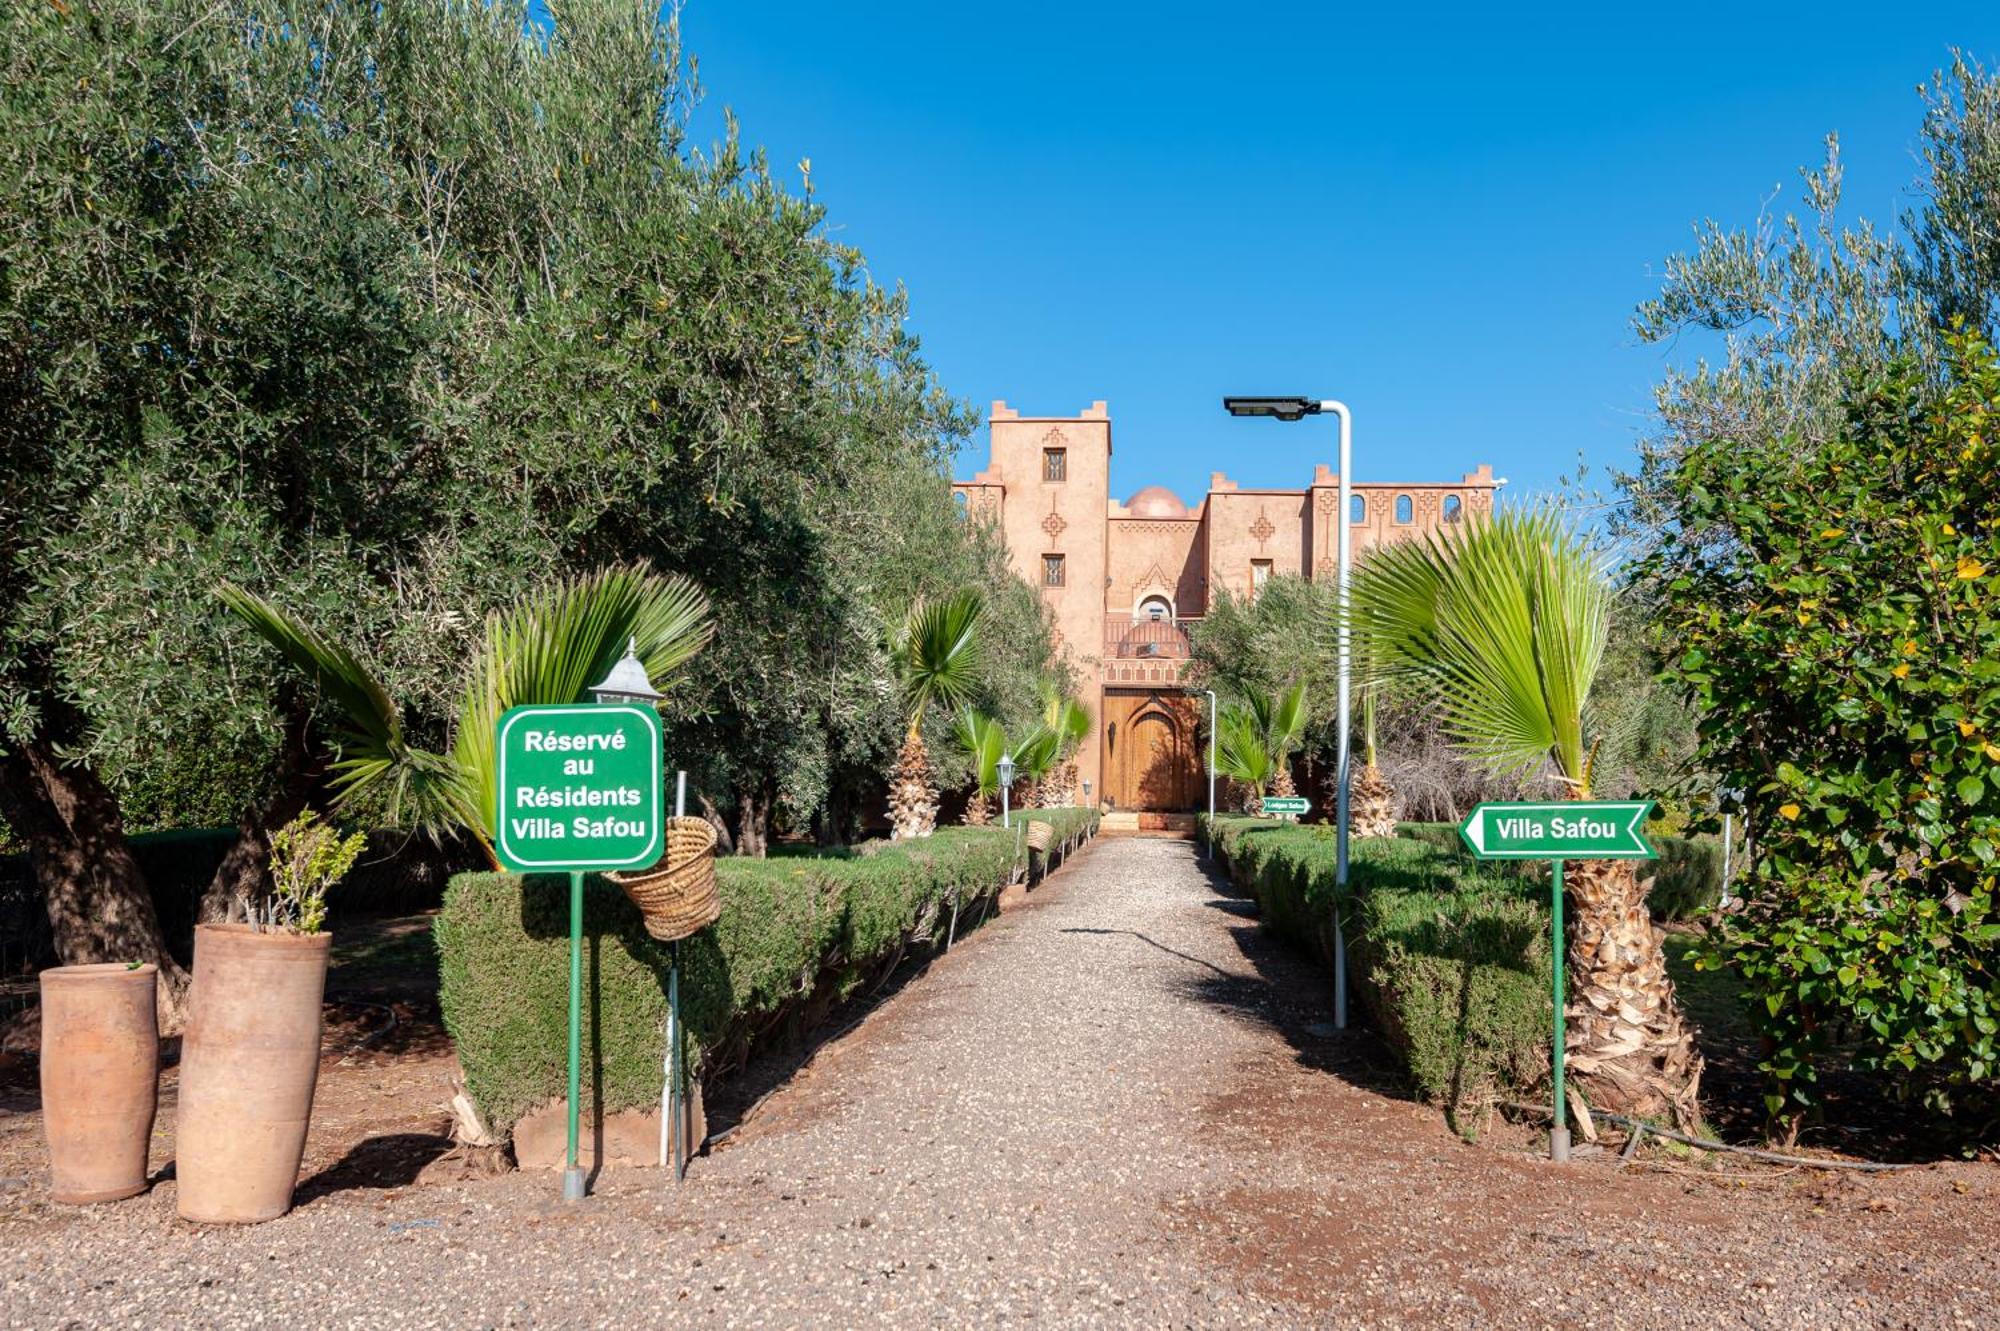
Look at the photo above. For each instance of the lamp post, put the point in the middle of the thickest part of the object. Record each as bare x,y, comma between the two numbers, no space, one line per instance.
1211,774
1004,769
1297,409
628,683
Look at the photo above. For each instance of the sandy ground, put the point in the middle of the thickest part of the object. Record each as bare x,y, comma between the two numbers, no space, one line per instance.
1121,1104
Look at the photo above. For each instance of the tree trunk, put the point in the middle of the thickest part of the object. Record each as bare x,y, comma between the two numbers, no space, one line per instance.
100,908
1630,1050
725,842
753,822
913,797
244,876
979,809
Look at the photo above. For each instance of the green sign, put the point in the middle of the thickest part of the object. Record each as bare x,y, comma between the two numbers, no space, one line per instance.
579,788
1292,804
1560,830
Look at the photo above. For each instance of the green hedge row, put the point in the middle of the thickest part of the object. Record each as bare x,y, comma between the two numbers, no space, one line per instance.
1687,878
1449,957
797,933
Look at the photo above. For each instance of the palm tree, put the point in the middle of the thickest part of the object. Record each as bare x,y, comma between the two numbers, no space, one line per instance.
1034,760
983,741
1504,622
1068,720
549,648
936,655
1371,805
1254,740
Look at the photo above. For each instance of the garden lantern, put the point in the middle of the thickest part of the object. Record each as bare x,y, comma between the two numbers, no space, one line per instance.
628,681
1297,409
1004,769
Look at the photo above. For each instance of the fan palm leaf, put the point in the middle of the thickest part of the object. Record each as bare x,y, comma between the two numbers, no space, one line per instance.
983,741
1505,621
553,646
414,784
937,653
1242,748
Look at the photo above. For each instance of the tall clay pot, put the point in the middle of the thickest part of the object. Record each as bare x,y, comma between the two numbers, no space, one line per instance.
100,1075
249,1062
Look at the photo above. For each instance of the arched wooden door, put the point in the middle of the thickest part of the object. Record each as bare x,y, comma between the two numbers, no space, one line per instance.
1150,763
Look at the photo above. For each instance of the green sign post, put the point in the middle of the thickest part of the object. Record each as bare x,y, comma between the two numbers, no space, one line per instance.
1292,805
1556,831
578,789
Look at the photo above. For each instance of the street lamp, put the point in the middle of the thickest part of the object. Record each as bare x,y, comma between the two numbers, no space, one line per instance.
628,681
1297,409
1211,774
1004,769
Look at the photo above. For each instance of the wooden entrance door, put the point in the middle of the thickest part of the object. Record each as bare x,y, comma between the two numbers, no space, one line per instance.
1151,761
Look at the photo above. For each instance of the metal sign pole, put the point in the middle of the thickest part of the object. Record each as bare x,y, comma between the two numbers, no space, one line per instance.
672,1137
1559,1133
573,1175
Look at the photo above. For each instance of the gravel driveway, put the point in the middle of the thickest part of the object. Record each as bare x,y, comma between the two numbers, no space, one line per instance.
1119,1104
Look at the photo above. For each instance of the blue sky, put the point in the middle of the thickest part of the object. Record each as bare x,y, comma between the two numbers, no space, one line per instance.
1442,216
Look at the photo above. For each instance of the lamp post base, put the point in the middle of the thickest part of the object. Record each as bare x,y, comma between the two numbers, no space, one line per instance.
573,1185
1559,1144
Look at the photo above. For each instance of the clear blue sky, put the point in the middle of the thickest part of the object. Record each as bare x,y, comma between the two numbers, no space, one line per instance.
1444,218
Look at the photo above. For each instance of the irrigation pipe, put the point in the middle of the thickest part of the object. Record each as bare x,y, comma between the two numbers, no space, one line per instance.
1639,1128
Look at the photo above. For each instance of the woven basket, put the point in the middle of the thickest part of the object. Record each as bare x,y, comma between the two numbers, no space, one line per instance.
1039,835
677,896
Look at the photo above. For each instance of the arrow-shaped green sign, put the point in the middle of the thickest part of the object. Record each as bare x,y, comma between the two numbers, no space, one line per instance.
1560,830
1293,804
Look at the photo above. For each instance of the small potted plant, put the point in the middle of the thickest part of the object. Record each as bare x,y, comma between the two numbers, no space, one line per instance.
250,1058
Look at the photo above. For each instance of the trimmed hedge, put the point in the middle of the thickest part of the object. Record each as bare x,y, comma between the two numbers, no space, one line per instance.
1450,957
797,934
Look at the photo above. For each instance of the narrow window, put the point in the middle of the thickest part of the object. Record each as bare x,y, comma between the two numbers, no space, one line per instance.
1260,573
1357,510
1403,512
1055,464
964,502
1451,508
1052,570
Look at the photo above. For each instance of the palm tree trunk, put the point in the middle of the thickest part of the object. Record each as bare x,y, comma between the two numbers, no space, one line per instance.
979,809
1630,1050
913,797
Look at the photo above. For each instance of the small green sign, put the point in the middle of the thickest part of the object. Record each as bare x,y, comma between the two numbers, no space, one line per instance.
579,788
1560,830
1291,804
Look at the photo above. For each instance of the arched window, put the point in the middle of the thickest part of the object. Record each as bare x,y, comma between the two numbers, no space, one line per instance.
1155,609
1452,508
1357,509
1403,510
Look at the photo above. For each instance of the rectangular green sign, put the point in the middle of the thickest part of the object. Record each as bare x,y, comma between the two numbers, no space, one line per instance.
578,788
1286,804
1560,830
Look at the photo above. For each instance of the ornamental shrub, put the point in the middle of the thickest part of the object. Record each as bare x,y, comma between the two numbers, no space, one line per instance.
796,931
1449,957
1836,614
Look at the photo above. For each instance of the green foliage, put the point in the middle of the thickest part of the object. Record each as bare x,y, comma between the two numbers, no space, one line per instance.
1450,957
1836,612
1804,303
1255,737
794,929
307,858
937,653
1504,620
983,742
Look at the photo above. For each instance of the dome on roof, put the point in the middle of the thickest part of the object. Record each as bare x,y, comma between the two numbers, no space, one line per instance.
1156,501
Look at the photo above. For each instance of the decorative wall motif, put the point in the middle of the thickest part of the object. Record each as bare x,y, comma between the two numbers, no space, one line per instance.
1055,438
1054,525
1262,528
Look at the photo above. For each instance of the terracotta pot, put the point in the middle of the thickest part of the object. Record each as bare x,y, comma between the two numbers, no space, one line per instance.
100,1075
249,1062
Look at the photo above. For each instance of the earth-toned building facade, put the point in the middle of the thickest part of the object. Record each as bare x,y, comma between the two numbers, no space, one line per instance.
1127,581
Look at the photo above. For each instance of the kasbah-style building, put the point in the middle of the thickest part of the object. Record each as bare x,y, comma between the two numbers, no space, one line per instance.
1127,581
